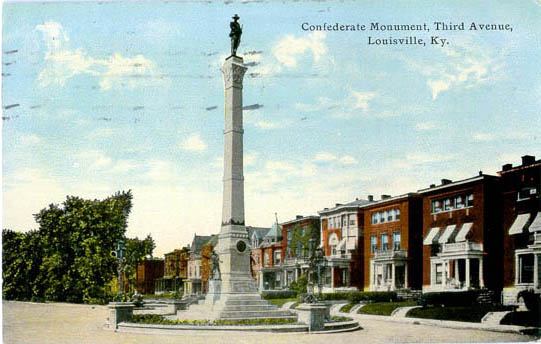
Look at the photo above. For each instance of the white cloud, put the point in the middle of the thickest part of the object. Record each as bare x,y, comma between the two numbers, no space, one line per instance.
483,137
92,160
29,140
63,63
325,157
194,143
249,159
266,125
348,160
161,171
290,49
362,98
425,126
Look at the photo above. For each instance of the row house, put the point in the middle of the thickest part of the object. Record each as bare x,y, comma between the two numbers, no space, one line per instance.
174,271
148,271
193,285
300,237
462,234
342,241
522,228
256,236
393,243
270,258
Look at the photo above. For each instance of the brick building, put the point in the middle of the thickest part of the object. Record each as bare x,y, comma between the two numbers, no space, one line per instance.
296,236
462,231
148,271
393,243
174,271
270,253
193,285
256,235
343,243
521,190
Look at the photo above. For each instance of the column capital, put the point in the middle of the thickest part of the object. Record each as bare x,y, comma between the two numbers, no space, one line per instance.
233,71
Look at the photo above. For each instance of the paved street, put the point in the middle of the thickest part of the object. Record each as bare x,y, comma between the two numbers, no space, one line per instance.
67,323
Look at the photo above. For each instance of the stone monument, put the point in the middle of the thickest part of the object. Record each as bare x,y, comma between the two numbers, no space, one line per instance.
233,295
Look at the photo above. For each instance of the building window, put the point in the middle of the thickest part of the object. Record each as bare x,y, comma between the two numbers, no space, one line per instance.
266,259
374,218
396,241
436,206
525,268
384,242
459,202
352,220
373,244
381,217
439,273
397,214
277,256
469,200
447,204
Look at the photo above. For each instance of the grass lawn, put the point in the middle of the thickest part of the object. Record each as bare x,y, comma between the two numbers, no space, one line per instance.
384,308
469,313
280,302
347,308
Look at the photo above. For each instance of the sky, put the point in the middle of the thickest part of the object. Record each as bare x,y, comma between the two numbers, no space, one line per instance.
99,97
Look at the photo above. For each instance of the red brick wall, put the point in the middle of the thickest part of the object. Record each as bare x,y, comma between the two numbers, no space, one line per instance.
474,214
388,228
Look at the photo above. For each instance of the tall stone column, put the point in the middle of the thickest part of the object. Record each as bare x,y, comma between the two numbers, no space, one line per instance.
233,245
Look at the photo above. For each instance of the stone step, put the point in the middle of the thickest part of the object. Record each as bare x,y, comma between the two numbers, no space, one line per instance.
259,302
265,317
250,307
254,314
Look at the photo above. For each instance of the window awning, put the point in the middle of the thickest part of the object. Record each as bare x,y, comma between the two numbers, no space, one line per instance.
518,225
464,230
446,235
536,224
431,235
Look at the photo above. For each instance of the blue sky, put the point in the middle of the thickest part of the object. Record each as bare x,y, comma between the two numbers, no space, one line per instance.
129,95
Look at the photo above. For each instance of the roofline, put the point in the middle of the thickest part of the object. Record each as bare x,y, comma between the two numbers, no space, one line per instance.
341,207
390,199
520,167
310,217
459,182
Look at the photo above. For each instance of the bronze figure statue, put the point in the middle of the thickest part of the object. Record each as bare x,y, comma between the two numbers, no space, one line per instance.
236,32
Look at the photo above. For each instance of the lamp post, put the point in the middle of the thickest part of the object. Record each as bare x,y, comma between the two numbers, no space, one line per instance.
119,253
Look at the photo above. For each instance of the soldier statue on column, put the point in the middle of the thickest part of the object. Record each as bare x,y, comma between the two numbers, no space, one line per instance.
236,32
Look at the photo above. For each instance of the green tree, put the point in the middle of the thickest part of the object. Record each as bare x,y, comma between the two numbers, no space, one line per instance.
300,240
77,240
22,255
136,251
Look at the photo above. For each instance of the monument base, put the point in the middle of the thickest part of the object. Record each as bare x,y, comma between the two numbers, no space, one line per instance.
240,306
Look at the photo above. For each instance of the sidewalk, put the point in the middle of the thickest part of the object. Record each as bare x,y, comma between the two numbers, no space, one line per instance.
444,323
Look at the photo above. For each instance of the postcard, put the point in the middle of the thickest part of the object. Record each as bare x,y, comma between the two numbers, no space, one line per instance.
255,160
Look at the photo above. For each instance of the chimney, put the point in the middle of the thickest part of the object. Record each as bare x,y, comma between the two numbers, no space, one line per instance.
432,186
298,217
446,181
370,198
325,208
338,204
507,167
528,160
480,173
385,197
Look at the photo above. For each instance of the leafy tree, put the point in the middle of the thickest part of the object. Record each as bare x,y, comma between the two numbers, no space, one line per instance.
68,258
22,255
300,241
136,251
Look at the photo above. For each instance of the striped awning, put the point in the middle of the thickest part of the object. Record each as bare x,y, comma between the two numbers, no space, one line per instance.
463,232
536,224
518,225
447,233
429,240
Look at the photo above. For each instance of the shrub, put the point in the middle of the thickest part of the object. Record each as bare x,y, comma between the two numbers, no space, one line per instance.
358,296
300,286
449,298
383,308
531,300
347,308
279,294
